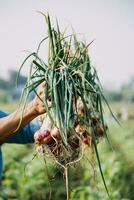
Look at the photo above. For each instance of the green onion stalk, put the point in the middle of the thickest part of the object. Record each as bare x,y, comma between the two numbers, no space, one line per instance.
76,95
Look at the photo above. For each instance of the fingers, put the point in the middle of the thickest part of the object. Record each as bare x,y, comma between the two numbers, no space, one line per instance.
40,89
38,101
41,94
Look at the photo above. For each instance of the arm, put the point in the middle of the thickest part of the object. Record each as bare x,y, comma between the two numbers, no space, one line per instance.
9,124
25,135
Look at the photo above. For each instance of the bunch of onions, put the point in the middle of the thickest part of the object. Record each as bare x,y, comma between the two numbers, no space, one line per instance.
75,117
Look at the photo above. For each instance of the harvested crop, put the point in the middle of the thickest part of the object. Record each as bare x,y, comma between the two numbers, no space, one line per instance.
75,117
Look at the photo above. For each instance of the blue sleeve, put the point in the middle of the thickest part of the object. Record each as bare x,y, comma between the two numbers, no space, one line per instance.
1,165
24,135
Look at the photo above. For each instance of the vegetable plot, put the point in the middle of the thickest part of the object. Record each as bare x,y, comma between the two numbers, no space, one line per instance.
74,120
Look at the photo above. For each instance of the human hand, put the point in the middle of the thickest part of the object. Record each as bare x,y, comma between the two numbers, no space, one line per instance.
37,103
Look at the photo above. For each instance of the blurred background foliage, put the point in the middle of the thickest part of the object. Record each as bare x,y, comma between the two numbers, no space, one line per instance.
27,178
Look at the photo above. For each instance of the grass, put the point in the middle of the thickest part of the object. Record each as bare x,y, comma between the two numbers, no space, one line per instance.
124,140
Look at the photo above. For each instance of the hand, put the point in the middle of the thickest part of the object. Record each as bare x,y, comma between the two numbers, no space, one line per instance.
15,121
37,103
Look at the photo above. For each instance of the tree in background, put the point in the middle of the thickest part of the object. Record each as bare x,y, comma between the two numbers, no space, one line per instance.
8,89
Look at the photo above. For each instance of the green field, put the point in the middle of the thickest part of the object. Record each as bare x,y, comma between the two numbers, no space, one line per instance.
27,179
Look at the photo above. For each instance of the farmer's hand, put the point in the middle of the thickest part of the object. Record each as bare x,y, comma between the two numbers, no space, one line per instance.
15,121
37,103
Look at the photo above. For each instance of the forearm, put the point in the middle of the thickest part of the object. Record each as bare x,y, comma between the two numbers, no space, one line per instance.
14,122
